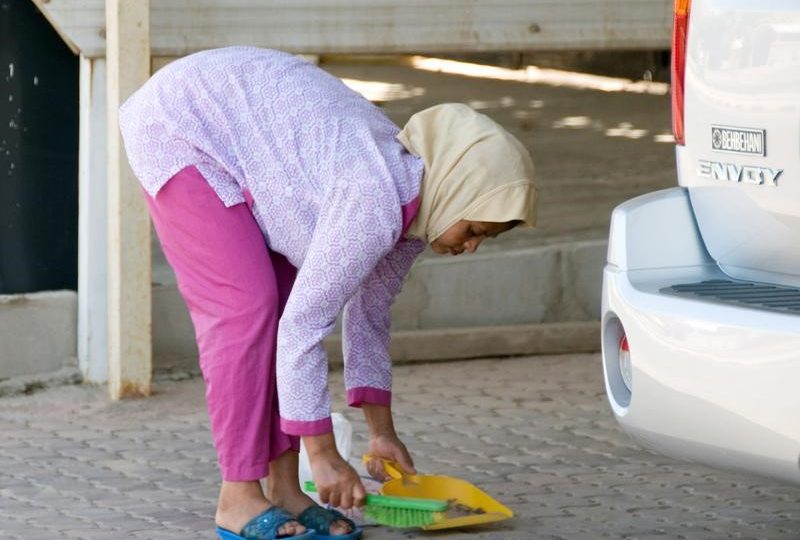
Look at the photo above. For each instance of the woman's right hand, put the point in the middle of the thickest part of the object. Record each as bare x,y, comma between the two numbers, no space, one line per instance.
338,484
388,447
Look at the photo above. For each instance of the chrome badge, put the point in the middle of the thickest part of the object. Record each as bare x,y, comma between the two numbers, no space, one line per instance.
733,172
752,142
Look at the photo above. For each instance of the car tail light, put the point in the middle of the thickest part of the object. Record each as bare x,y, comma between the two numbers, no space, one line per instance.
680,30
625,368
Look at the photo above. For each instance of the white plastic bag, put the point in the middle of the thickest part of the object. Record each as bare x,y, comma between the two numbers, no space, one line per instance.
343,433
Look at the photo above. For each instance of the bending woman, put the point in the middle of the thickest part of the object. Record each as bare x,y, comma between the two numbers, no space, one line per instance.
282,198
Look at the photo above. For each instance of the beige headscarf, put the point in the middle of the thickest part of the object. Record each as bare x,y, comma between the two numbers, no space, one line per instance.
474,170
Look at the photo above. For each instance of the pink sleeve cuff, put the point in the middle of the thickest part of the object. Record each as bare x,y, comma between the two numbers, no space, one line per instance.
300,427
373,396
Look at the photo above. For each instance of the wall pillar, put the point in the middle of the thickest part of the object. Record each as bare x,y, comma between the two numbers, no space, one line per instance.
129,269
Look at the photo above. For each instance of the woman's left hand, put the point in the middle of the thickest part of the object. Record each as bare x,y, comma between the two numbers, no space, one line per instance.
388,446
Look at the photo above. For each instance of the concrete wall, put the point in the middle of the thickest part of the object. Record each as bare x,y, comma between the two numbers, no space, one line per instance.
536,285
550,284
492,301
38,332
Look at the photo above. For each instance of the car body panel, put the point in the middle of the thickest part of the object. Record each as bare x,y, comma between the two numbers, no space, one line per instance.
710,382
743,73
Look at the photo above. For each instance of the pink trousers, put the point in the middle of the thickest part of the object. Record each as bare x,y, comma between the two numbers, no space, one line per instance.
235,289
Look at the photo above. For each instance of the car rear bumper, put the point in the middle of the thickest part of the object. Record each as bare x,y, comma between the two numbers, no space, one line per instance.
711,382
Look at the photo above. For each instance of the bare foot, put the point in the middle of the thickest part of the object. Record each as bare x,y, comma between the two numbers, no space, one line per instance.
240,502
283,489
295,501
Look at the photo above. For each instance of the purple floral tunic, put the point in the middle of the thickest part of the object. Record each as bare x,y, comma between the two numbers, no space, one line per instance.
331,189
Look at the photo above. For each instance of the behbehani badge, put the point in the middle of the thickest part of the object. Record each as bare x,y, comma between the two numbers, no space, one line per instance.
737,140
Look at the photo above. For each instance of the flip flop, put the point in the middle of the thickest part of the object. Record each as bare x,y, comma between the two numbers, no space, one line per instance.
320,519
265,527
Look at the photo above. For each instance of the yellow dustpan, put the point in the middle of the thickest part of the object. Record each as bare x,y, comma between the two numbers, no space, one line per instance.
469,505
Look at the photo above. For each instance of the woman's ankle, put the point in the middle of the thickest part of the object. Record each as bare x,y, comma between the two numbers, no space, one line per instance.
238,500
288,496
282,487
232,492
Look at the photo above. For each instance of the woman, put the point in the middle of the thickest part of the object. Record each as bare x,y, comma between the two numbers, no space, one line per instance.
282,198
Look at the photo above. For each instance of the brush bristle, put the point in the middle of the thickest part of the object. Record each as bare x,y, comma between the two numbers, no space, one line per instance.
401,517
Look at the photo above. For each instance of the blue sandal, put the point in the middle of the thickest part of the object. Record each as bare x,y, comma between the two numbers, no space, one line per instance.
320,519
265,527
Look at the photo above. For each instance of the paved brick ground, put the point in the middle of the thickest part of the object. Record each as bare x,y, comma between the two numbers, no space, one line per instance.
534,432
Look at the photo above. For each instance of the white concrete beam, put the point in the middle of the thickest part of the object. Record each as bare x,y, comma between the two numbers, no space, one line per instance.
180,27
92,223
129,270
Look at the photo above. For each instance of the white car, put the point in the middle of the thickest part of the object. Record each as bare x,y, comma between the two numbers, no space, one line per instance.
701,291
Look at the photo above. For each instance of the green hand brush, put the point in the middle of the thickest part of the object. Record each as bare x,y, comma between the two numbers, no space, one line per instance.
400,512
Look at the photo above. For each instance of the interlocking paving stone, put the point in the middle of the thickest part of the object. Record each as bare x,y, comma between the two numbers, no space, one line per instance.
534,432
